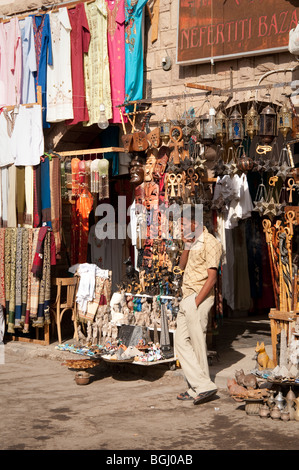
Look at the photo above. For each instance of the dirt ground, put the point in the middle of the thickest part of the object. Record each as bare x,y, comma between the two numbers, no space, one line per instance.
125,408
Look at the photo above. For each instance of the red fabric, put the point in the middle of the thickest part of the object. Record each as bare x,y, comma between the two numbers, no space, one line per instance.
80,39
37,265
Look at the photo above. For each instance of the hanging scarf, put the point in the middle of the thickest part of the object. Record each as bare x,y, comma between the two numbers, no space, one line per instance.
28,297
35,281
45,192
12,294
56,209
7,260
37,209
2,267
25,259
18,307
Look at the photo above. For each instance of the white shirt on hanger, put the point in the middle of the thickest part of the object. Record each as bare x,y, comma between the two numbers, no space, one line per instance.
59,75
27,137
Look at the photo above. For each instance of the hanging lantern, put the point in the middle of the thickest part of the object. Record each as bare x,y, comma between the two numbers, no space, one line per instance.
221,126
208,127
252,122
164,125
235,127
284,120
267,129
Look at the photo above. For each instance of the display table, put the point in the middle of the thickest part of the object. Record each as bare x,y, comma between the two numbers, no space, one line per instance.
281,320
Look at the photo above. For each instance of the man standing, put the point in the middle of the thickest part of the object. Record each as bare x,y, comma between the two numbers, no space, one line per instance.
200,260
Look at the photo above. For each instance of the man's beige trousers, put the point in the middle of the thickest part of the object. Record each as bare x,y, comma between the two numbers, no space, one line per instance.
190,343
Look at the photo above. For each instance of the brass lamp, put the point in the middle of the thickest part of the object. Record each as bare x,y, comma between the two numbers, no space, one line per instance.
267,129
164,125
221,126
252,122
284,120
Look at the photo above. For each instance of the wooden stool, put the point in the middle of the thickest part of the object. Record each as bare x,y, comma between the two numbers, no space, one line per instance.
58,308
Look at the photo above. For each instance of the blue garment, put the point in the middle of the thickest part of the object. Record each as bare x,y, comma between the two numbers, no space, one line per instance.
43,48
28,94
45,193
134,49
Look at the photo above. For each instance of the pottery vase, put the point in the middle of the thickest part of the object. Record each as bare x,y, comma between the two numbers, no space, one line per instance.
285,416
297,409
275,413
290,395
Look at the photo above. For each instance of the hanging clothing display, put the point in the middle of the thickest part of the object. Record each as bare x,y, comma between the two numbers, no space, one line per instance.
26,294
59,73
56,209
43,50
29,65
80,38
28,137
11,62
7,120
116,51
134,49
96,62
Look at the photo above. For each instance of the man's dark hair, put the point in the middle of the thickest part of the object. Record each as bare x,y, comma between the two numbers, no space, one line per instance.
190,213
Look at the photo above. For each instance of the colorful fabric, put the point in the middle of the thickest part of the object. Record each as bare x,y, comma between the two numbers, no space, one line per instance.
12,291
45,193
80,38
18,286
134,49
25,261
2,267
29,187
43,50
116,53
96,63
20,196
56,207
28,299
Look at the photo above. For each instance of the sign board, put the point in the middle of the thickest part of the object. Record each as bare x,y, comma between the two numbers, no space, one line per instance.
210,30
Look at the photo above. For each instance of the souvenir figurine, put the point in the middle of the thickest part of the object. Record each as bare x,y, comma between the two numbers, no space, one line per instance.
161,162
150,165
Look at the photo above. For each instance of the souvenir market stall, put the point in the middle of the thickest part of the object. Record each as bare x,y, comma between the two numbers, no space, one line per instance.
124,291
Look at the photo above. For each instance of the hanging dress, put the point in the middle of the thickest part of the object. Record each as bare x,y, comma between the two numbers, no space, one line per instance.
96,63
29,65
134,49
59,74
116,52
11,63
80,38
43,50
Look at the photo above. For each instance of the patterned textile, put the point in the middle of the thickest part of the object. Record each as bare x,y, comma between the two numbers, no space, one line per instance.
25,260
43,315
18,288
56,208
12,293
2,267
35,281
28,300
